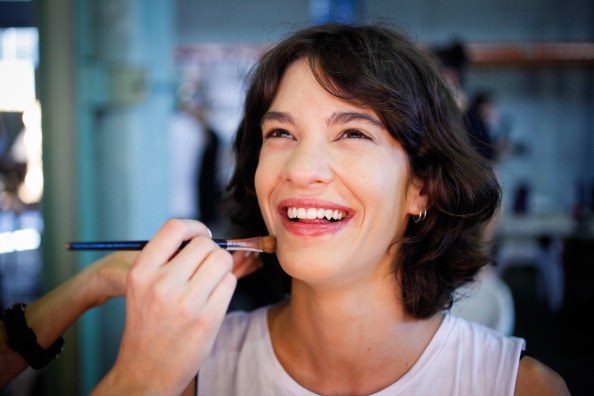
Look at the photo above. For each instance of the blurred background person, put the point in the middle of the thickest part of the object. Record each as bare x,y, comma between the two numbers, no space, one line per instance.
194,153
481,120
186,142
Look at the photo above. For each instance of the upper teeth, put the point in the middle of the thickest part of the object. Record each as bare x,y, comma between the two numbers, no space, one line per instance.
313,213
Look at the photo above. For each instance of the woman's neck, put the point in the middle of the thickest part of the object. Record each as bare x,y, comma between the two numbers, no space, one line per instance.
352,336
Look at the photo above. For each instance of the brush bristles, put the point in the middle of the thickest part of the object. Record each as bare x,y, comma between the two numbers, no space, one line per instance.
266,244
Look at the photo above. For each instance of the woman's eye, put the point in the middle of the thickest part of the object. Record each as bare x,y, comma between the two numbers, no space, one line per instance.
277,133
353,134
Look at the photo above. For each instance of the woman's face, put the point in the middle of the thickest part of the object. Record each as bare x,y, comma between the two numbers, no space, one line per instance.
333,185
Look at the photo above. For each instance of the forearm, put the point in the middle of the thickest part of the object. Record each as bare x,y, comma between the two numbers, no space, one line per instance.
49,317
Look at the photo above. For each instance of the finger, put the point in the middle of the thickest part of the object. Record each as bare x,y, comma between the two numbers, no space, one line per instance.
220,298
209,274
190,258
245,264
167,241
213,312
216,306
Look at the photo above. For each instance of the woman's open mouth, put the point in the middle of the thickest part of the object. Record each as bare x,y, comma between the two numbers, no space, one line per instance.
315,215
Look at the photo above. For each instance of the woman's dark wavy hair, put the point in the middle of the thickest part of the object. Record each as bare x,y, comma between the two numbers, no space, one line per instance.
379,68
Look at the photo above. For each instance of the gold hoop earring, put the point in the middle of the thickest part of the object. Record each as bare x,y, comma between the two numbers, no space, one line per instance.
421,216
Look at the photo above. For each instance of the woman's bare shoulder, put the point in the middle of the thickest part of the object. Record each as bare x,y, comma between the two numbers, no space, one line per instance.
535,378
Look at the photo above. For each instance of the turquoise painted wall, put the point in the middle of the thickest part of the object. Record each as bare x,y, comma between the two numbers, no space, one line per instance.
107,91
125,92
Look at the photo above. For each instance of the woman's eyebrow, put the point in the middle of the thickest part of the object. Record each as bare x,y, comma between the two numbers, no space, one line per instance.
276,116
344,117
339,117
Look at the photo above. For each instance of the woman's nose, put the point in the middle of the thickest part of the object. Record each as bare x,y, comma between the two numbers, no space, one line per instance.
308,164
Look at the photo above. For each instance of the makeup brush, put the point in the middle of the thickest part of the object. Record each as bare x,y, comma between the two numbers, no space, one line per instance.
266,244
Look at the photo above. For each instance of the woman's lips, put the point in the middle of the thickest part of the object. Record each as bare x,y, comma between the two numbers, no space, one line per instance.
313,217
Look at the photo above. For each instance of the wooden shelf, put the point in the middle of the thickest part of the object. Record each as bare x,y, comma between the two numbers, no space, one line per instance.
531,54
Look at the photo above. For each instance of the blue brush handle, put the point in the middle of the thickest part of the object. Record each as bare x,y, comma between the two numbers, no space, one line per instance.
123,245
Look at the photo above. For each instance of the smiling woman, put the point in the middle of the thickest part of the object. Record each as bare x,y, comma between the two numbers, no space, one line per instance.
352,153
405,107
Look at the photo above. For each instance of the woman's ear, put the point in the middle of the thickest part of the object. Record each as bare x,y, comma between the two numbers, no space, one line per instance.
417,197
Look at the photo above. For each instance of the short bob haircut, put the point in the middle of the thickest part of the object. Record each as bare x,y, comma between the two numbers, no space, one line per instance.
379,68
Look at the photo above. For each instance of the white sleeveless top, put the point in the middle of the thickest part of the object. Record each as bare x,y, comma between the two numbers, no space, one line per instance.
463,358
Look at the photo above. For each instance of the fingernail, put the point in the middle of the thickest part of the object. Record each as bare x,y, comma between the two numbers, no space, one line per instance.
209,233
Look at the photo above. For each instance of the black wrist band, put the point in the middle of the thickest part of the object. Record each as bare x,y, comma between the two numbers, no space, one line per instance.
23,340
